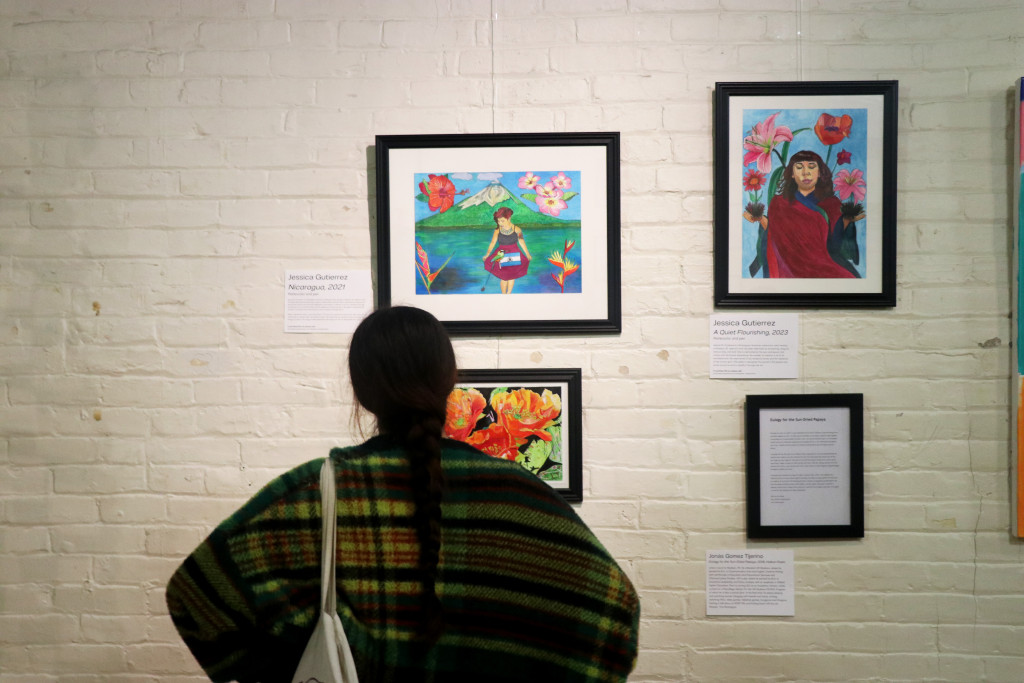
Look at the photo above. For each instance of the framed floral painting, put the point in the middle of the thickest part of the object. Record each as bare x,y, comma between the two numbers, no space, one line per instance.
501,233
805,194
532,417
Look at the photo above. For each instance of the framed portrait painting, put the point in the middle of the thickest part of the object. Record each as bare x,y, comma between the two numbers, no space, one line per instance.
532,417
805,194
501,233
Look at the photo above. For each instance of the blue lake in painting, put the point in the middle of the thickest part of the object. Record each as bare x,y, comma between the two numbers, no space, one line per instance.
467,246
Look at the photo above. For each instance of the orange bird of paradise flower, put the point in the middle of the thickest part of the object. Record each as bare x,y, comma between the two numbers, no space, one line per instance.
566,267
423,267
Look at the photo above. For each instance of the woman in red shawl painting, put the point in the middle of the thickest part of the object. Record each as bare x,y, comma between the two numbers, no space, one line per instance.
807,225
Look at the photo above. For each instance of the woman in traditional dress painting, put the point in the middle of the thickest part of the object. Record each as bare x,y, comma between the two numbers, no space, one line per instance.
510,259
808,227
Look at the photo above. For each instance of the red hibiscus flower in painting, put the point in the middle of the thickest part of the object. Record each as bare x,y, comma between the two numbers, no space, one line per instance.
833,129
465,406
440,192
524,412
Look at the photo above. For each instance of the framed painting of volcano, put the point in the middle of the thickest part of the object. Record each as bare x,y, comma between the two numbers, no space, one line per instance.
501,233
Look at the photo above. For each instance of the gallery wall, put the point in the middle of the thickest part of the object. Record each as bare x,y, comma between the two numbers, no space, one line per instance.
163,163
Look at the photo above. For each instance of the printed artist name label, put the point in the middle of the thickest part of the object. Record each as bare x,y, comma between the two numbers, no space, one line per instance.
759,346
329,301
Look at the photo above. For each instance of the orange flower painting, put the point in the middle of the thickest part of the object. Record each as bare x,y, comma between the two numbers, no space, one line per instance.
465,406
521,424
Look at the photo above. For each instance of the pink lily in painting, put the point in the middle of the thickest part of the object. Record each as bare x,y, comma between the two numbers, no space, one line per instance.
762,141
850,183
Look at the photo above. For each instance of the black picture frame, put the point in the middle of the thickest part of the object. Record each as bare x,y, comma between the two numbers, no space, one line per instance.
560,430
852,127
805,466
575,222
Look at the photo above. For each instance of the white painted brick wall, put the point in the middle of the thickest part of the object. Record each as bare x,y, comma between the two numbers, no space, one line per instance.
162,164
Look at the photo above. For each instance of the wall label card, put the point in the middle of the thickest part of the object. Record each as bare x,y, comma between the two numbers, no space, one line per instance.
749,583
331,301
754,345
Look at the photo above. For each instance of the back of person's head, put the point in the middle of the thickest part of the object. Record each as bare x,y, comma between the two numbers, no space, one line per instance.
402,367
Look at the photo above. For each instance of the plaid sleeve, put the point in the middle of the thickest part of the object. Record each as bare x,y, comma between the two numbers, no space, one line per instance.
227,600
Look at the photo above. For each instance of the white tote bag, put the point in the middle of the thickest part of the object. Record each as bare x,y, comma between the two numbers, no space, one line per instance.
327,657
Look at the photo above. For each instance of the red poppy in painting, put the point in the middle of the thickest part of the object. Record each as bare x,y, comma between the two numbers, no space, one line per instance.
440,192
465,406
833,129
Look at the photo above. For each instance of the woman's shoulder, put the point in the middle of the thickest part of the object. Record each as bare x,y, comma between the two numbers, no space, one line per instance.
475,477
297,483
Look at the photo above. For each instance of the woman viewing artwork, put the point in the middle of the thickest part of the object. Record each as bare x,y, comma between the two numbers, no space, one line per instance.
510,259
808,227
451,565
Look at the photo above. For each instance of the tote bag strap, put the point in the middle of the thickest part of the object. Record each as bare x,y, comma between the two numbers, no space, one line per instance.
328,538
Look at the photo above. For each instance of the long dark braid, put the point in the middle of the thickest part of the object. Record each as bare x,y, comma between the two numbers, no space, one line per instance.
403,368
424,445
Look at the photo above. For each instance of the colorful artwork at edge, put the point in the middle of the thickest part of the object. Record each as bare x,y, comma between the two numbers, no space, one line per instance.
455,223
771,138
521,424
1017,465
